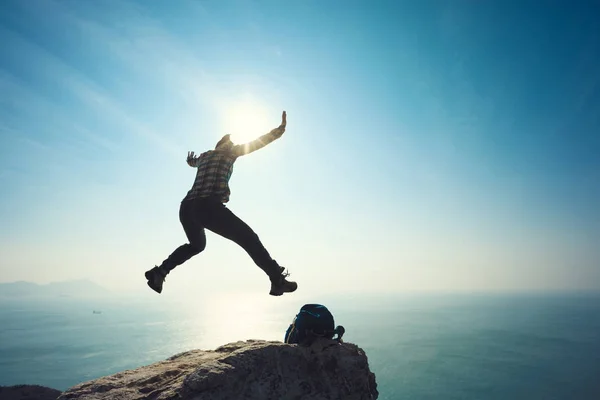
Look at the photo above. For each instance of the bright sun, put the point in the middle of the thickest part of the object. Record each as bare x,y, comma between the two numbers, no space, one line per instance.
246,120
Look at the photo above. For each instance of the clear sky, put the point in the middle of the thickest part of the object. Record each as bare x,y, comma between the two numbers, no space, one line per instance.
449,145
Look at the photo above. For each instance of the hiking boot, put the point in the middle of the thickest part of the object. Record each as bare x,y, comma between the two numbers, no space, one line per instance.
280,285
156,277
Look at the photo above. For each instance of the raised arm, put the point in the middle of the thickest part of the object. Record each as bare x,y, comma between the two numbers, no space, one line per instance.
247,148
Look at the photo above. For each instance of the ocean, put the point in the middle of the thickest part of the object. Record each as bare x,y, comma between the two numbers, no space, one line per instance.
445,346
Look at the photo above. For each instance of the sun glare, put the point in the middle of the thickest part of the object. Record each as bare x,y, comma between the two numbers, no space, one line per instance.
231,317
246,120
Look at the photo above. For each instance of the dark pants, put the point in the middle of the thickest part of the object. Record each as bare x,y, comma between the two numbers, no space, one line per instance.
199,214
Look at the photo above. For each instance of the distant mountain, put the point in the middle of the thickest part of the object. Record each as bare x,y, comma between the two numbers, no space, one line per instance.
78,288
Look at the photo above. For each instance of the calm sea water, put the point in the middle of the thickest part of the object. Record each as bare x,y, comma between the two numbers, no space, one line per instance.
420,347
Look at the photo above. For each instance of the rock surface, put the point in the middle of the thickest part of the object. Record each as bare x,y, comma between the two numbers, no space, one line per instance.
28,392
252,370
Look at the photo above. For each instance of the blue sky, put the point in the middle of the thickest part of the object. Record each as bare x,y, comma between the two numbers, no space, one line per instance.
430,145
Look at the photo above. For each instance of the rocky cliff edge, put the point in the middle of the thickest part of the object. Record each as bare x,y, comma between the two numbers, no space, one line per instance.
253,369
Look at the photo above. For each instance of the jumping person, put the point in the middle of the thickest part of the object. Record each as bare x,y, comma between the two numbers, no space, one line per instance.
204,208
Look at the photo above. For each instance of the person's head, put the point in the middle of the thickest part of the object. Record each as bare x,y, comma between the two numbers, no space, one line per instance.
225,143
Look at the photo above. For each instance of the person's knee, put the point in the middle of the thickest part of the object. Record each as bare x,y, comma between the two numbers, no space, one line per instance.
198,247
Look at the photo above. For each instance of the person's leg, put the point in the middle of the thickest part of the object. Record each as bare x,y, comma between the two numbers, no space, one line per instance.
220,220
188,216
197,242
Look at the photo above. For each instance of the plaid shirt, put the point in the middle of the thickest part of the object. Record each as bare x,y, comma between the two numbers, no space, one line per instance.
216,166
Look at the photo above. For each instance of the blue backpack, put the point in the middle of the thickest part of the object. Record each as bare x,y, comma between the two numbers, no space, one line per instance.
313,320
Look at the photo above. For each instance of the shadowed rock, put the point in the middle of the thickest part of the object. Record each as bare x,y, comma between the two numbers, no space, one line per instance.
28,392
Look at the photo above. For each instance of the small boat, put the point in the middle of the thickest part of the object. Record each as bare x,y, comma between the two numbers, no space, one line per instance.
97,312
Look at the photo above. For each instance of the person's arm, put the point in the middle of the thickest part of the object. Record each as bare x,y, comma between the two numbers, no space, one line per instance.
247,148
192,160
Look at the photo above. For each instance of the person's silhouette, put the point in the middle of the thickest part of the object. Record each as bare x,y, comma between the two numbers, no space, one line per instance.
204,208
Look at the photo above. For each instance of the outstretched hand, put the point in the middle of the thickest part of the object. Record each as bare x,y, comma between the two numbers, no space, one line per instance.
191,158
281,128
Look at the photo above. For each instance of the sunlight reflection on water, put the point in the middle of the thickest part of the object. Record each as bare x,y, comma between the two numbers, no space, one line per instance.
226,318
